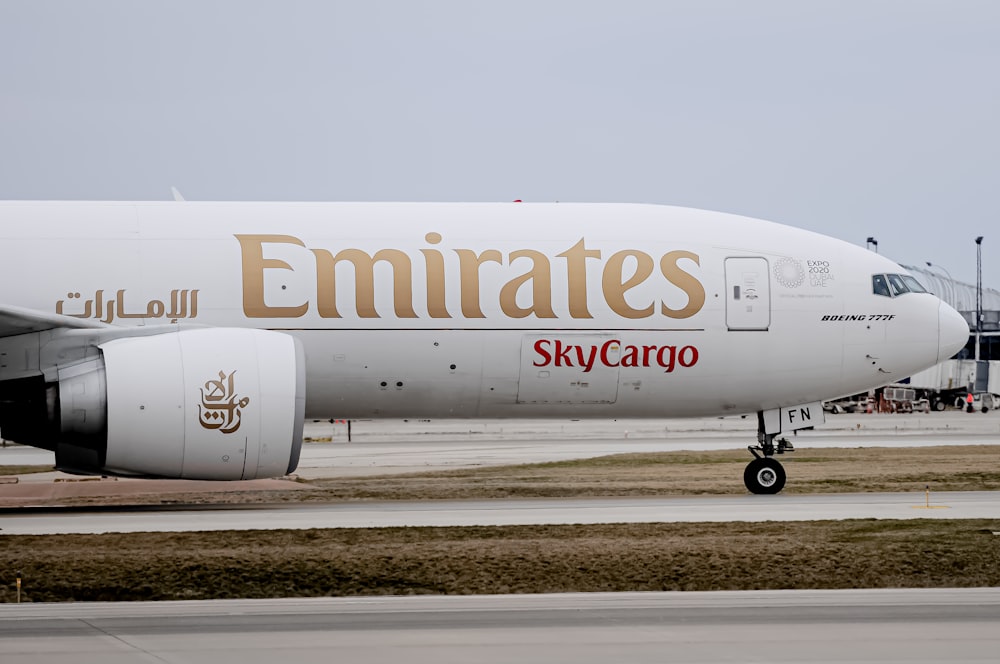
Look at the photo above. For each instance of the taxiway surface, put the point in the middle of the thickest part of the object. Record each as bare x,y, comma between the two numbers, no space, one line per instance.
398,446
816,627
952,505
395,447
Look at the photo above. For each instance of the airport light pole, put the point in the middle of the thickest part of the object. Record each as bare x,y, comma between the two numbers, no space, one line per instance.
950,288
872,242
979,291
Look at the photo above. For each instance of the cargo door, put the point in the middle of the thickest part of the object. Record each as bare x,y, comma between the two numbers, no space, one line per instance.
569,368
748,294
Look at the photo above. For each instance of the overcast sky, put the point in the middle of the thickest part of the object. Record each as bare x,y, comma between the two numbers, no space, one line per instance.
855,119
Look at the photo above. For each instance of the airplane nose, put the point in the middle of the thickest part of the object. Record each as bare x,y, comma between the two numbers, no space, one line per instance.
953,332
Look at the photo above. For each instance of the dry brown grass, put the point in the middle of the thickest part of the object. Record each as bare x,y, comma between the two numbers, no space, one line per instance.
810,471
24,470
518,559
697,556
944,468
836,470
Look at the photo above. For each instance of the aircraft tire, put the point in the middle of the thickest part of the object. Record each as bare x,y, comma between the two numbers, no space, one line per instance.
764,476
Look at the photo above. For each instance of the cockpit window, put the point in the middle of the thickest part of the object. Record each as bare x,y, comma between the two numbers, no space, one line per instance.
894,285
880,286
897,285
912,284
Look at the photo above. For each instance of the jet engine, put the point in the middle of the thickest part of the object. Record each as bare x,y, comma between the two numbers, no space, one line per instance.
208,404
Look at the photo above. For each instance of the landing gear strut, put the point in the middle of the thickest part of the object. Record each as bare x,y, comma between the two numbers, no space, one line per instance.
765,475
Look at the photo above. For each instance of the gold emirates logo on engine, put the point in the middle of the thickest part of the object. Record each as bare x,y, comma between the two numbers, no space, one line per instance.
522,293
221,408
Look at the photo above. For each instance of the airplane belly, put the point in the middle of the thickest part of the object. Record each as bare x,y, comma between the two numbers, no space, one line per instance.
498,373
569,369
504,373
385,373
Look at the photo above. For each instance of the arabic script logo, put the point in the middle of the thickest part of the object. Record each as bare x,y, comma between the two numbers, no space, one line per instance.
221,408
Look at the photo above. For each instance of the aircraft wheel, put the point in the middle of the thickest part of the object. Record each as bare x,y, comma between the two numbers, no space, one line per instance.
764,476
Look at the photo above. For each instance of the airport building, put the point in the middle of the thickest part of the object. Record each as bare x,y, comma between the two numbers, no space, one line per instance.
976,372
962,297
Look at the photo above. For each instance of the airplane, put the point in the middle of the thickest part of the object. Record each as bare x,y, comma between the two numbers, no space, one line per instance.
192,339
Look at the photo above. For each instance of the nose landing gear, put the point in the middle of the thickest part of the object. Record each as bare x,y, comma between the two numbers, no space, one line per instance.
765,475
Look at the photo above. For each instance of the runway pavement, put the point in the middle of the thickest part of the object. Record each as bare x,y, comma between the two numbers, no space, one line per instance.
955,505
391,447
400,446
819,627
395,446
815,627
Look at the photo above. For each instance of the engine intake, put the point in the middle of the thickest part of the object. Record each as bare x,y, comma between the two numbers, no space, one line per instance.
211,404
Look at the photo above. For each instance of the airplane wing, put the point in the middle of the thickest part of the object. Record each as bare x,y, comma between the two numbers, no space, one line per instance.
15,320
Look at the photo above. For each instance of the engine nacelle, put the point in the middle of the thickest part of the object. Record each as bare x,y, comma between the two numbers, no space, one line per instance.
212,404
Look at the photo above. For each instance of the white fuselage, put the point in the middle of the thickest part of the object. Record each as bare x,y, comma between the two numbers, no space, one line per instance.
492,310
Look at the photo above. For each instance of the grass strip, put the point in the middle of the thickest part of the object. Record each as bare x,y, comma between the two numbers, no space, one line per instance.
24,470
810,471
920,553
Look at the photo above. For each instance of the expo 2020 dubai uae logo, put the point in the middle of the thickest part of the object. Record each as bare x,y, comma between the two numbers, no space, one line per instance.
789,272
